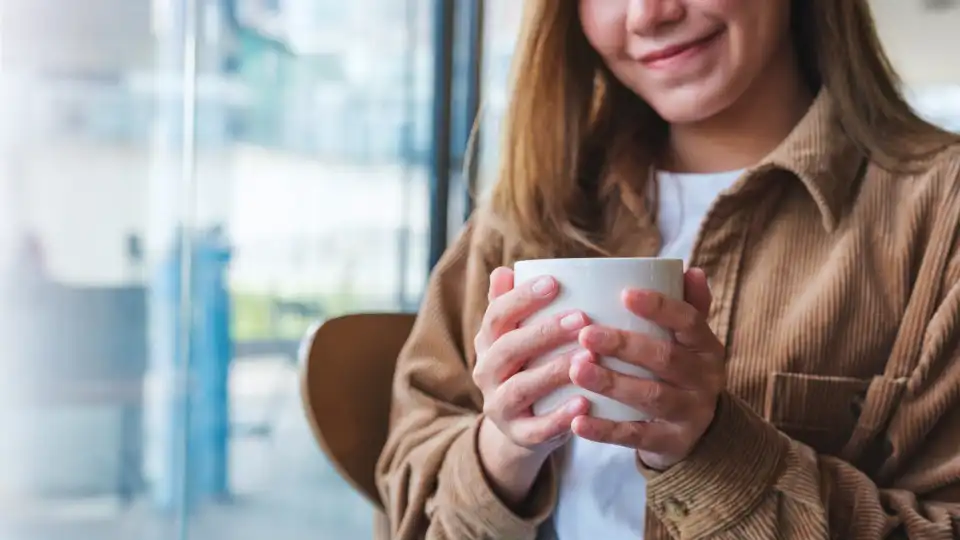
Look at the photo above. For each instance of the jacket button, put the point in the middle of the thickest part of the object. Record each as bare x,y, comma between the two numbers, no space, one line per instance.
675,510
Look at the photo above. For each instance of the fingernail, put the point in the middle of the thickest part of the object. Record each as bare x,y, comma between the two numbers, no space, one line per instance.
543,286
582,357
597,337
574,406
572,321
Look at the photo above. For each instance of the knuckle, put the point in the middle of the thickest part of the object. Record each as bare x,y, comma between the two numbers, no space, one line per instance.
624,345
496,320
635,433
664,352
503,353
605,382
614,342
514,397
560,369
652,392
479,343
478,375
689,320
484,369
497,406
546,330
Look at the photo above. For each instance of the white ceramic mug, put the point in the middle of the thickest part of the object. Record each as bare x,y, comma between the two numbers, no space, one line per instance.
595,287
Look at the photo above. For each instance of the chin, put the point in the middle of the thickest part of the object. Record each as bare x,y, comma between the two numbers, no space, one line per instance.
691,105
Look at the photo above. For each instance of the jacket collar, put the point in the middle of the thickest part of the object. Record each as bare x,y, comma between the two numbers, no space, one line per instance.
821,155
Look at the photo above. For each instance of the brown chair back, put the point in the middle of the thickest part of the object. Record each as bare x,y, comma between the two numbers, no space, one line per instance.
346,387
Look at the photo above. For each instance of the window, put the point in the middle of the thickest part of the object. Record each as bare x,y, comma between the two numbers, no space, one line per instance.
168,237
939,105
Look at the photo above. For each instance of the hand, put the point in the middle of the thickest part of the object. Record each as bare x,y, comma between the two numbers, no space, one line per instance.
691,371
514,442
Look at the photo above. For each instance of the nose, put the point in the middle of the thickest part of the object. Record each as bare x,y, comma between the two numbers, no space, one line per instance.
646,16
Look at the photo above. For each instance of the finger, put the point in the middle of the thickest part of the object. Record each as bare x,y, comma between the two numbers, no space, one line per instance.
501,282
696,290
654,437
508,354
535,430
687,324
655,398
665,359
507,311
515,396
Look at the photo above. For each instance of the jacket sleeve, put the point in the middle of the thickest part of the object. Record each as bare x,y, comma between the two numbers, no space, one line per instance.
429,474
746,479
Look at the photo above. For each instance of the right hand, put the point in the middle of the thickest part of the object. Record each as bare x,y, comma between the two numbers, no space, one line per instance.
509,388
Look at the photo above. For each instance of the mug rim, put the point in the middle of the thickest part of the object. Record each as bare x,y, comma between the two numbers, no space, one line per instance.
603,259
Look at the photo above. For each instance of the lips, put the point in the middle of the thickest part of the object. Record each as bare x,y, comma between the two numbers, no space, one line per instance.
674,50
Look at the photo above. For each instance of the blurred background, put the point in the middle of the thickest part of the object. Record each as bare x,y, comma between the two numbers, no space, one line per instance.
188,186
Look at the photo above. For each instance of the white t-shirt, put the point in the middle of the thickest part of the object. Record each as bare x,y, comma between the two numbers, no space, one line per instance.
602,495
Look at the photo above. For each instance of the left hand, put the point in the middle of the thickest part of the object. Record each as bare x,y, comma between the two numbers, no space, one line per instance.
691,371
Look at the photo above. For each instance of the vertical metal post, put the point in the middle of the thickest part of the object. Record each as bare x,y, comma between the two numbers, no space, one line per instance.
187,227
440,148
407,150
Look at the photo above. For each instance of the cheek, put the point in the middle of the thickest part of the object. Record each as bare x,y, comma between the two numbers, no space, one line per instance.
758,29
723,7
763,23
762,33
603,25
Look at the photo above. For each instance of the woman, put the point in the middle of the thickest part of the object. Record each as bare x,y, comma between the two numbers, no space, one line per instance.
814,394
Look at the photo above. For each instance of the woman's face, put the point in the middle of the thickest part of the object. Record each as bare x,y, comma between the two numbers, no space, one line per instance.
688,59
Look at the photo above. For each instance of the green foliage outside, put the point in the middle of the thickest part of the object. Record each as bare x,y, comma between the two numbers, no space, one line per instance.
263,316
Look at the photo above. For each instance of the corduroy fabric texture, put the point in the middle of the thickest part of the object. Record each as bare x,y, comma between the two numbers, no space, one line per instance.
837,295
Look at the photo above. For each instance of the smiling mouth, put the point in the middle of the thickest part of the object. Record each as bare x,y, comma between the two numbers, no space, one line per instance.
676,50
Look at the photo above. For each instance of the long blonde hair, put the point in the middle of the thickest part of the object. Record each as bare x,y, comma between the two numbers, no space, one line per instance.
574,134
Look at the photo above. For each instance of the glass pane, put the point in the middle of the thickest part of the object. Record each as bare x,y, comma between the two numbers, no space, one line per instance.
76,163
329,216
187,188
939,104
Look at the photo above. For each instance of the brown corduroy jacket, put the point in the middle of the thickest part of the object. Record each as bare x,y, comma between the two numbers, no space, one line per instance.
837,296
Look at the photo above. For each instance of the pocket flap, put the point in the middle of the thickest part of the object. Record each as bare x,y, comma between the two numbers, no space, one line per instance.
799,399
819,410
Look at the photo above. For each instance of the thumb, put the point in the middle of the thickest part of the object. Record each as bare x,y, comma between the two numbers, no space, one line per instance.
696,290
501,282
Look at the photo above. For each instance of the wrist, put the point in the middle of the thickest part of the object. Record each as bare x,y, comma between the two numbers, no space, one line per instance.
511,469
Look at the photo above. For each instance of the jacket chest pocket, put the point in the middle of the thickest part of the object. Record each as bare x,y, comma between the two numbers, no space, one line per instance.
839,416
820,411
